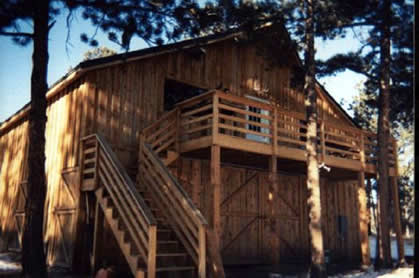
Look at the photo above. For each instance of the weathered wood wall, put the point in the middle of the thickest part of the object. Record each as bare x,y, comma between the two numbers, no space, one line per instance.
118,101
244,213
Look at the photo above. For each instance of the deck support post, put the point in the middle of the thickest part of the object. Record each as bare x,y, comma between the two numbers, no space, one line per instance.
216,185
363,209
396,208
273,205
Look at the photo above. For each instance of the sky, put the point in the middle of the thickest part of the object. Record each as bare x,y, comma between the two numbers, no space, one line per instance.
16,63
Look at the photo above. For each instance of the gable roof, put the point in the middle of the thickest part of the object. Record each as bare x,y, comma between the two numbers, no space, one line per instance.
93,64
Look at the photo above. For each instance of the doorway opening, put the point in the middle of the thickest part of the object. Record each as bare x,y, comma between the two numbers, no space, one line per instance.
176,91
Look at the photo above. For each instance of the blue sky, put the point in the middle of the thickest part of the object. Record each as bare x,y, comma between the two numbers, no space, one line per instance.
16,63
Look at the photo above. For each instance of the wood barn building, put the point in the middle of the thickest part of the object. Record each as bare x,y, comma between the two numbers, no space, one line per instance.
162,159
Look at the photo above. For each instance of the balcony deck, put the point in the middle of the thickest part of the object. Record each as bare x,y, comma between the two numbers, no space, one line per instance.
240,124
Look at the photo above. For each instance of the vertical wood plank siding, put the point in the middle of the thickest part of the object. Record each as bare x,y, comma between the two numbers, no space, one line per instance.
118,101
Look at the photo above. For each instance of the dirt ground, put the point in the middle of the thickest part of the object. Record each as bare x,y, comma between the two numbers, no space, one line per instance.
11,268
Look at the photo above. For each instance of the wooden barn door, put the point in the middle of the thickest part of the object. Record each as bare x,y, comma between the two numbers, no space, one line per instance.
289,220
64,219
15,238
241,216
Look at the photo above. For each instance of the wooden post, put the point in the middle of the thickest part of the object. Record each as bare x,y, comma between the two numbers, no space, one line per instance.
274,127
196,182
216,185
152,245
363,210
140,160
273,191
322,141
396,207
273,204
96,234
96,163
215,119
178,127
202,255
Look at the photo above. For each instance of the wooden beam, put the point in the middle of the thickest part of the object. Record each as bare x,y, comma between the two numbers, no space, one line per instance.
98,232
215,119
196,182
152,251
396,209
202,255
273,205
216,185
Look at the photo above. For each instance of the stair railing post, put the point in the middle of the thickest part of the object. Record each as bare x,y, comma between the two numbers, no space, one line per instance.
152,246
140,157
96,163
97,230
202,252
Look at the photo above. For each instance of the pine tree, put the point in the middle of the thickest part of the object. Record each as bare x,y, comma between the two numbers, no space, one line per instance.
149,20
389,70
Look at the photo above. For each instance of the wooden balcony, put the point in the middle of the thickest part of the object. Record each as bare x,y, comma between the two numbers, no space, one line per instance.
243,124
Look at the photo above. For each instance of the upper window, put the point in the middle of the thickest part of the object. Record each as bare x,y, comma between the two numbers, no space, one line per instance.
252,118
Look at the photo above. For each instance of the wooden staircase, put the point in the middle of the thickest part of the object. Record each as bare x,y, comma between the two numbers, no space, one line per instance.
176,214
150,237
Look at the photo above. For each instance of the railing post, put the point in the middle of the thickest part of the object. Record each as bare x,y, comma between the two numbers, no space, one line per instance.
140,159
178,126
323,141
362,151
202,256
152,246
96,163
275,131
215,118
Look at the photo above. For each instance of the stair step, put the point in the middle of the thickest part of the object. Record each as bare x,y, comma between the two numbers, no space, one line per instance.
174,268
167,242
90,160
171,255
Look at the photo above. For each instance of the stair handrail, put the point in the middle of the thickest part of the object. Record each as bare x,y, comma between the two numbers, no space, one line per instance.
187,222
143,208
135,213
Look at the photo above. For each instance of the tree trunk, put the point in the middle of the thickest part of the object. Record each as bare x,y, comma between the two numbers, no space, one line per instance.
33,259
383,137
313,177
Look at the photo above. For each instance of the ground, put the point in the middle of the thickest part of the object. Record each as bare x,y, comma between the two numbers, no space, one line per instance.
10,267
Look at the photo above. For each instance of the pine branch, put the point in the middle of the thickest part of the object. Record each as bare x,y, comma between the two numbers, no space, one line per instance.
16,34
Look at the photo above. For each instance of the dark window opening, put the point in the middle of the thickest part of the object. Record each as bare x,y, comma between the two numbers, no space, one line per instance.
255,119
175,92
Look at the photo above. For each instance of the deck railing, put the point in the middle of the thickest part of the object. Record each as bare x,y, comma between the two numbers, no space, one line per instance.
217,116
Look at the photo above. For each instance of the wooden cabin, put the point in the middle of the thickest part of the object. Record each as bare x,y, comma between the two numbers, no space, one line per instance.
176,158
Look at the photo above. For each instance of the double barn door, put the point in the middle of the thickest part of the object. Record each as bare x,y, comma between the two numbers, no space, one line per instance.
245,217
